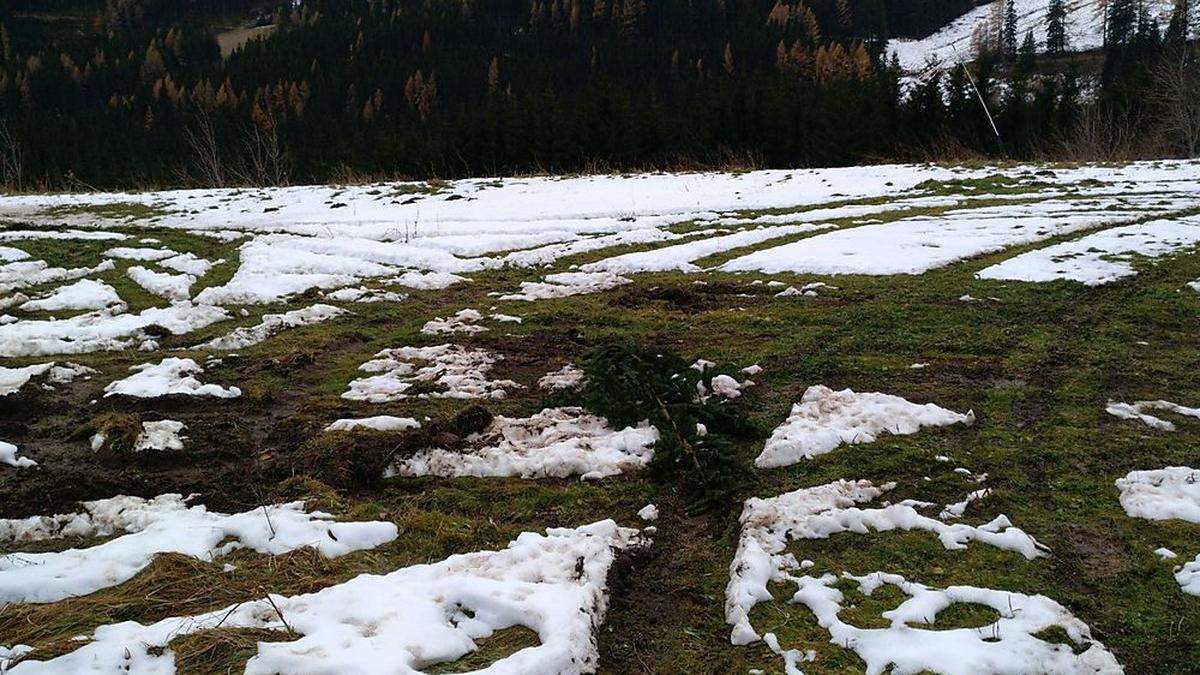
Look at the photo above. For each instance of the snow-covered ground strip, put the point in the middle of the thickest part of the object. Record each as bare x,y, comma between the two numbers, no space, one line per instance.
13,379
82,235
1162,494
10,455
918,244
188,263
87,294
169,525
554,443
566,284
820,512
680,257
10,254
567,377
407,620
141,254
364,295
825,419
1188,576
29,273
103,330
463,321
160,435
165,285
376,423
546,255
1137,411
1102,257
270,324
957,509
1008,645
953,43
456,372
171,376
100,518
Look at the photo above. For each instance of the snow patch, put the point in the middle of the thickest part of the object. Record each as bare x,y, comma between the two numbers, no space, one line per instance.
825,419
171,376
271,324
554,443
377,423
456,371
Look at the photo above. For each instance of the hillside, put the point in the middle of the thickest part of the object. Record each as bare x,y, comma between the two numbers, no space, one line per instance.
911,417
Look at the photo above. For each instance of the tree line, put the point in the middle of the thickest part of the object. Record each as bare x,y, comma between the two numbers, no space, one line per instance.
340,89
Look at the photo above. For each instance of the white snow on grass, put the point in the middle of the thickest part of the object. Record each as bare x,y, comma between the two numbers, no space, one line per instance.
10,254
13,379
376,423
28,273
957,509
188,263
648,512
1137,411
1162,494
140,254
162,284
102,331
825,419
1102,257
426,281
171,376
160,435
546,255
82,235
463,321
168,525
274,267
568,377
408,620
1007,646
565,284
820,512
99,518
554,443
364,295
680,257
87,294
918,244
450,371
247,336
1188,576
10,455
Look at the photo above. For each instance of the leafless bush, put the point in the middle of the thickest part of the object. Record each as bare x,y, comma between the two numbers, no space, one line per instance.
201,136
12,158
1176,98
266,161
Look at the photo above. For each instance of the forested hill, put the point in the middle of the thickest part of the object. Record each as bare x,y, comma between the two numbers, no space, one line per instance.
138,92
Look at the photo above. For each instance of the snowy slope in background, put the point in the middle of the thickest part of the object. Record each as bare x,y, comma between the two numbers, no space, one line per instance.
953,44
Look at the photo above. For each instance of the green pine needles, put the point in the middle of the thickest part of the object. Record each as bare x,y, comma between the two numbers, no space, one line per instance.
628,383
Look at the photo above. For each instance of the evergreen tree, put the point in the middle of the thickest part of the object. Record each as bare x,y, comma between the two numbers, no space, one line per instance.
1056,29
1008,37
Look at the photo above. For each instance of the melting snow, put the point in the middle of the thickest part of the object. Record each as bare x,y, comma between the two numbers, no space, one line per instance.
101,331
566,284
378,423
822,511
825,419
9,455
464,321
409,619
1162,494
27,273
165,525
1137,411
679,257
169,286
567,377
554,443
171,376
1007,645
271,324
161,435
458,372
83,294
1102,257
